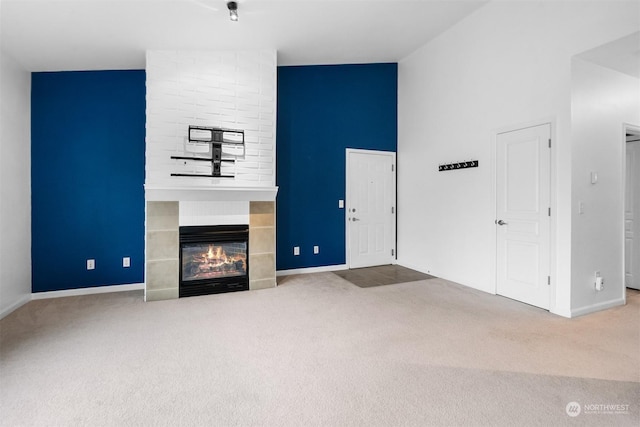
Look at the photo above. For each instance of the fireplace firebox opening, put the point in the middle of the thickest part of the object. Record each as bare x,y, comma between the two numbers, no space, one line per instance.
213,259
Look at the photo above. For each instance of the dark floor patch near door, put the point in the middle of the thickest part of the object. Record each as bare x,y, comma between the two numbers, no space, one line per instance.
381,275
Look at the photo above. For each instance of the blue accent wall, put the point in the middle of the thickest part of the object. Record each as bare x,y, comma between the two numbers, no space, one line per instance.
87,176
322,111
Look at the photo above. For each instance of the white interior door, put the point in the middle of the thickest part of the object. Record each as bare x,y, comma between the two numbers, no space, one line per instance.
371,198
631,215
523,159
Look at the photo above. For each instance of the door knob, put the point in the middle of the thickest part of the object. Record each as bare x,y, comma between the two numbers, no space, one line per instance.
501,222
355,219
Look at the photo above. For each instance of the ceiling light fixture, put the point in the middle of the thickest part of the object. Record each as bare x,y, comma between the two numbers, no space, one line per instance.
233,10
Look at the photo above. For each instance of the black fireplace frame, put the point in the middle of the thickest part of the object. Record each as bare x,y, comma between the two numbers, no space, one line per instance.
213,234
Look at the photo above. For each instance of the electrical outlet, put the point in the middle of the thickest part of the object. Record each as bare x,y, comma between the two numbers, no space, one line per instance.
316,250
296,250
91,264
126,262
599,284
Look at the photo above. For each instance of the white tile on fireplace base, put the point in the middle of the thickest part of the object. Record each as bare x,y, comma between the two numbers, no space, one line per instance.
162,216
262,284
160,294
262,234
162,244
262,240
161,264
162,274
262,266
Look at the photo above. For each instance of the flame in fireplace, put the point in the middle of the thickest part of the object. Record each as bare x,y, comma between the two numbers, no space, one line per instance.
210,253
218,254
215,262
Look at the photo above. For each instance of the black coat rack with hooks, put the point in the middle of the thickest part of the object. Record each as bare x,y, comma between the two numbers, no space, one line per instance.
458,165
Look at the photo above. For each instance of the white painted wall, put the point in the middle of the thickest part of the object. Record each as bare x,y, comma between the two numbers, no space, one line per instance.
602,100
225,89
15,185
508,63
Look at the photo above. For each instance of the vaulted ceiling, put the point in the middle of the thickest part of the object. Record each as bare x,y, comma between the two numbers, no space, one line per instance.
55,35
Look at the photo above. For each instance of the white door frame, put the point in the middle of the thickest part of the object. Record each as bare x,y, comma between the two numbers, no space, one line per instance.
553,265
347,228
623,189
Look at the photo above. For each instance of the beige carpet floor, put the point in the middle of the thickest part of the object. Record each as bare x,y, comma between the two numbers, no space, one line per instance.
317,351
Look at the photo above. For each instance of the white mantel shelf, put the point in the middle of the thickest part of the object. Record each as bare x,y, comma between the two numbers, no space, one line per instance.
222,194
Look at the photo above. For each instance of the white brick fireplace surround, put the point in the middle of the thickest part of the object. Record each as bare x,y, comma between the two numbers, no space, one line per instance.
225,89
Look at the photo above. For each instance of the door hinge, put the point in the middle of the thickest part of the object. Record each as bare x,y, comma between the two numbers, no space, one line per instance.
393,168
393,210
549,280
549,211
549,142
393,252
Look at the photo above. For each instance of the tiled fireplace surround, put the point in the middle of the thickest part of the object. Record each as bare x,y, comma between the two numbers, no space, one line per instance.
163,219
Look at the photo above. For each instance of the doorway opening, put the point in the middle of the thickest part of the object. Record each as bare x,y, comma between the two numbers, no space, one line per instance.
631,245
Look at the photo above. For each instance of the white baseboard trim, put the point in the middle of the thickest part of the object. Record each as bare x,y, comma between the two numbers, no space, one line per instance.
563,312
308,270
596,307
16,305
87,291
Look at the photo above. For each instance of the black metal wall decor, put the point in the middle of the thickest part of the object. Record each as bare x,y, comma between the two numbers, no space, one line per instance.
216,137
459,165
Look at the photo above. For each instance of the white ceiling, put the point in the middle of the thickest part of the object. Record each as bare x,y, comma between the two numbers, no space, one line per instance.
622,55
53,35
